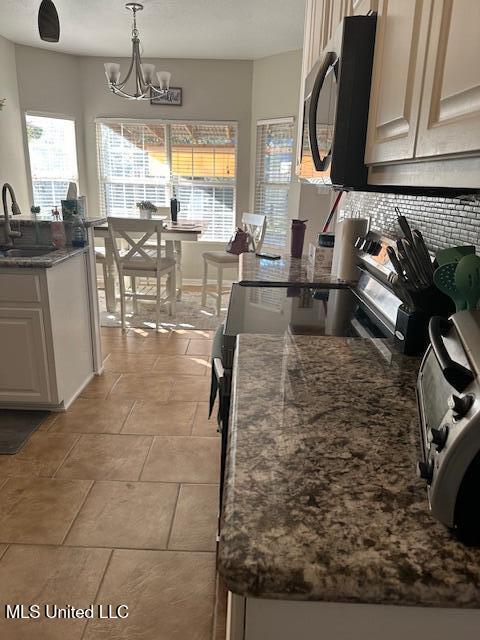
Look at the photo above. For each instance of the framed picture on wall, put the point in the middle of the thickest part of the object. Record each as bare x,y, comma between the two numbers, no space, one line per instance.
173,97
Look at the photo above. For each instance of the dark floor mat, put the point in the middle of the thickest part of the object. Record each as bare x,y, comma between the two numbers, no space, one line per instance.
16,427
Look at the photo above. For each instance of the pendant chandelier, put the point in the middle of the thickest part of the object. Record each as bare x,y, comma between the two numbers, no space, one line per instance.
143,74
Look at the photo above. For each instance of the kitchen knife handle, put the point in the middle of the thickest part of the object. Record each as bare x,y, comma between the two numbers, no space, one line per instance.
454,373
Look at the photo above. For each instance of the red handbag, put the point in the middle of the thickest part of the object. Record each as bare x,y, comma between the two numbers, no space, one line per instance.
239,242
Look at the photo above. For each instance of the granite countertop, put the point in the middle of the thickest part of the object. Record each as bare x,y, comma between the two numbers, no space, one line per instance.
285,272
45,261
27,220
321,499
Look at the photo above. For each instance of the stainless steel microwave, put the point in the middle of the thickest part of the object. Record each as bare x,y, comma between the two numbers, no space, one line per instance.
336,100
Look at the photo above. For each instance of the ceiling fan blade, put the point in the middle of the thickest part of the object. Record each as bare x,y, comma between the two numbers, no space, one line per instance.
48,22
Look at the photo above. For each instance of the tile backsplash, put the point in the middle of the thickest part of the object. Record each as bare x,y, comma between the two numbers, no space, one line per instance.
444,222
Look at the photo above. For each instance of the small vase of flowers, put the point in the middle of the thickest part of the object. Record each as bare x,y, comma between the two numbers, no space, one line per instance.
146,207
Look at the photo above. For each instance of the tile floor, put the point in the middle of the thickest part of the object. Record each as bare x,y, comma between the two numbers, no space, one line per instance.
115,500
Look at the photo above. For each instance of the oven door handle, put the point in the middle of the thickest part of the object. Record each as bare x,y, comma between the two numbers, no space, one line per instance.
458,376
320,165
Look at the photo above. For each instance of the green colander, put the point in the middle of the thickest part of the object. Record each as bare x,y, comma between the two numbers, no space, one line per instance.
444,279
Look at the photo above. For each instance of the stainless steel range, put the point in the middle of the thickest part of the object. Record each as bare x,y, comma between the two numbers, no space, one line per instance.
448,393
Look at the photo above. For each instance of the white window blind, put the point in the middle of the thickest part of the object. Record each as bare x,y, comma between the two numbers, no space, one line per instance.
273,173
151,161
53,159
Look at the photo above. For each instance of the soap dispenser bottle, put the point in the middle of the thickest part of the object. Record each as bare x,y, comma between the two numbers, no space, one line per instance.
78,232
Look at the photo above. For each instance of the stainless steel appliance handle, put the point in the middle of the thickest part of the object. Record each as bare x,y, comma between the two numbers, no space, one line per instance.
320,165
455,374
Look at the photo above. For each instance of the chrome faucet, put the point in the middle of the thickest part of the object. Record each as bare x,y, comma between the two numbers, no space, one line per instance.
9,233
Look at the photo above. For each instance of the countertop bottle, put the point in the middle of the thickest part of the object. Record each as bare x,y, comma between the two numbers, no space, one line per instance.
58,230
78,232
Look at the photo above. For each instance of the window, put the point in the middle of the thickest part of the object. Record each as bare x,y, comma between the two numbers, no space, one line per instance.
273,173
152,160
53,159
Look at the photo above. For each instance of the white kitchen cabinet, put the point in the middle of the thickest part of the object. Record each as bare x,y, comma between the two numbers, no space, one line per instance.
314,33
25,374
262,619
46,353
424,120
450,112
362,7
400,49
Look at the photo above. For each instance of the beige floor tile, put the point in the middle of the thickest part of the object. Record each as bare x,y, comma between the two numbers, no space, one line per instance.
53,575
166,345
192,460
190,388
182,365
47,422
196,518
170,596
129,362
100,386
106,457
195,334
41,456
161,418
117,344
142,332
39,510
110,331
93,415
131,515
151,386
202,424
200,348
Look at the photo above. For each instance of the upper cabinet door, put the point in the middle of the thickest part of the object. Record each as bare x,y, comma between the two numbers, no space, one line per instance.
450,114
400,48
362,7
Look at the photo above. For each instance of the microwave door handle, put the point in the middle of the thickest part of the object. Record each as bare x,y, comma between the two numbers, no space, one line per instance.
320,165
458,376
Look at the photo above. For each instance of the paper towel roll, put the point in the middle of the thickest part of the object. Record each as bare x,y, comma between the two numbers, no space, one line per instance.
344,262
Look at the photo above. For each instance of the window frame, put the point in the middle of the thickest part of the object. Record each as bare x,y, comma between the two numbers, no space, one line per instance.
168,148
260,163
56,116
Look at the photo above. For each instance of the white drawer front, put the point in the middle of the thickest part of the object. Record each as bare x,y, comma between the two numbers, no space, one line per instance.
19,287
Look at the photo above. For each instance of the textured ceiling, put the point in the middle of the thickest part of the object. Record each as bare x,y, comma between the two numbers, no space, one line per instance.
234,29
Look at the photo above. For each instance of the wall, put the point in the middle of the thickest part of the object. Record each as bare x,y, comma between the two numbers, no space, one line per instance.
12,158
48,83
76,86
444,222
276,94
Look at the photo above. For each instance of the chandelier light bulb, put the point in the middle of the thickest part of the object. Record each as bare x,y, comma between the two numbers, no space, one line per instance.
148,71
164,80
112,71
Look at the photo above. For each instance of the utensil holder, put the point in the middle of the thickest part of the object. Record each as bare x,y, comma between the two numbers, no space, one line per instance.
411,328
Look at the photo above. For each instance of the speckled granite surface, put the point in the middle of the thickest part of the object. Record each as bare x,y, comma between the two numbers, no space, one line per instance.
322,501
42,262
285,272
26,220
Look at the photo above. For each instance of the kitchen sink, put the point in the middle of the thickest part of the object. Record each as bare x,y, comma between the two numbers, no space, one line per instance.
27,252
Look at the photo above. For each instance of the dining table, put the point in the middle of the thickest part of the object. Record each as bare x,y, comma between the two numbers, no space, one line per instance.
174,234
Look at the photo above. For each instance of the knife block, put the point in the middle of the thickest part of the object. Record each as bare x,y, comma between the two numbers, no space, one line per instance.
411,328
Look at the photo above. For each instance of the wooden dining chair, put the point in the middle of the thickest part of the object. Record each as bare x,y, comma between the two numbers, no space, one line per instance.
141,261
255,225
